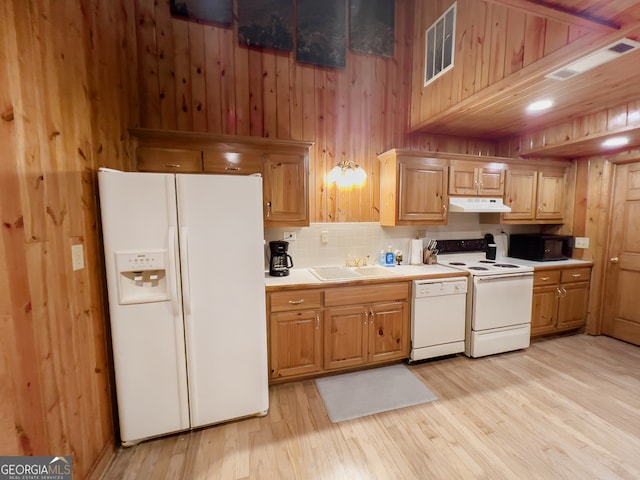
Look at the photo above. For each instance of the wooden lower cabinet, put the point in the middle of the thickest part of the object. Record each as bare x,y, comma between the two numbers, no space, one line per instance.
361,335
296,343
560,300
357,326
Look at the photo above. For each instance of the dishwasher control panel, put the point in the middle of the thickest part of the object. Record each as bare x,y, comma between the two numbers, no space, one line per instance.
434,288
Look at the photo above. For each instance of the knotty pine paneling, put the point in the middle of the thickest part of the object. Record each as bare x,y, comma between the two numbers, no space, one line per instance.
67,98
579,137
492,43
195,77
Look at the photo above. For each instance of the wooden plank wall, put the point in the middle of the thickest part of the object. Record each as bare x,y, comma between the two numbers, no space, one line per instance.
492,43
196,77
66,99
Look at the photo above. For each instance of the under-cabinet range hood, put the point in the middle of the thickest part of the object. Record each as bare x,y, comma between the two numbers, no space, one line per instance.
477,204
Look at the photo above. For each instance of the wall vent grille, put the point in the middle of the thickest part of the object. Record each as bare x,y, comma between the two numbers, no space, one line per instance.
595,59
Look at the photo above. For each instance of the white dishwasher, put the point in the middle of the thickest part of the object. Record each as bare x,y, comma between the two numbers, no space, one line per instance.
438,317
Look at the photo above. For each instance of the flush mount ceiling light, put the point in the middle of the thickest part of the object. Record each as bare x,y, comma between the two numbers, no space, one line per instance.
615,142
595,59
347,175
540,105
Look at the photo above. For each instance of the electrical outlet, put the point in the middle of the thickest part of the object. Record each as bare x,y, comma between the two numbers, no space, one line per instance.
581,242
324,237
77,256
290,236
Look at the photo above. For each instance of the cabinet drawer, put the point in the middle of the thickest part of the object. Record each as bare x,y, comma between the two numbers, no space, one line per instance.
168,160
232,162
298,300
546,277
576,275
361,295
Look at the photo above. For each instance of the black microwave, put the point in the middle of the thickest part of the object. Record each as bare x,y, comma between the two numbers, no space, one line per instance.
541,248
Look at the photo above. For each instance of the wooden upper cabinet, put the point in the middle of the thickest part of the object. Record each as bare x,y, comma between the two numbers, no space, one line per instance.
286,198
476,179
413,189
535,196
283,164
550,194
168,160
520,194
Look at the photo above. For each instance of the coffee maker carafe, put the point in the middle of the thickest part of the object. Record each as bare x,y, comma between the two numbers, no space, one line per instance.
280,262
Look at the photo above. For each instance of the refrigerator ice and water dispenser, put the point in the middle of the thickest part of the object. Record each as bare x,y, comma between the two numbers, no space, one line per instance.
142,276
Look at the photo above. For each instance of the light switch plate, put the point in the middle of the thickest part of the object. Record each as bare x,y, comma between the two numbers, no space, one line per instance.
77,256
581,242
324,237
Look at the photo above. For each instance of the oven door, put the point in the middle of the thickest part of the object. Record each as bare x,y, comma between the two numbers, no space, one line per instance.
501,300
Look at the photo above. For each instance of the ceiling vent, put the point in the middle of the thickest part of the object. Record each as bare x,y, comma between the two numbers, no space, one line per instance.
595,59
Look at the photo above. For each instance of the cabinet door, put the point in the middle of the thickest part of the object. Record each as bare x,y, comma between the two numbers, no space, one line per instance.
490,182
463,180
285,190
544,309
422,192
295,343
573,305
388,331
168,160
520,194
550,195
345,341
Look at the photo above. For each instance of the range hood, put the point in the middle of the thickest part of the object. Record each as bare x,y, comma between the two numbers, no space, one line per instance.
477,204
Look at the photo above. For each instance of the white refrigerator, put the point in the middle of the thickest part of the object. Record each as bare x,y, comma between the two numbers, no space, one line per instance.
184,258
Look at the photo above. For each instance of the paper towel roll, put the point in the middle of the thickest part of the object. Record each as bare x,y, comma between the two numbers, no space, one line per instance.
415,247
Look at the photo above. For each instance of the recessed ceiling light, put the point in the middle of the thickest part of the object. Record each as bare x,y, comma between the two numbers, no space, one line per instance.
615,142
540,105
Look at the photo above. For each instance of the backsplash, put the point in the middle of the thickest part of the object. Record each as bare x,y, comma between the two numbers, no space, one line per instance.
362,239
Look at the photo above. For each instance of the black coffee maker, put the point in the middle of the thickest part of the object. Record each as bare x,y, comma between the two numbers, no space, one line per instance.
280,262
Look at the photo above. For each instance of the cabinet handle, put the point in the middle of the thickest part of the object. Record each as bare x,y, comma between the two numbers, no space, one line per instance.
268,209
564,291
475,186
558,293
317,321
614,259
481,186
366,318
576,275
172,165
544,279
371,317
234,169
444,210
296,302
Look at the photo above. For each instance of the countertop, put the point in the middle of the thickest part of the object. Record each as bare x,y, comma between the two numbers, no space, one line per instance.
302,277
546,265
299,277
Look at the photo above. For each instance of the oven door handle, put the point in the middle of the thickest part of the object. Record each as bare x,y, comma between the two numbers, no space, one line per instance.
507,276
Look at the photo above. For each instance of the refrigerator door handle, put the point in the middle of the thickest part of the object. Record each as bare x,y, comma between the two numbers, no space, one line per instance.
173,255
186,287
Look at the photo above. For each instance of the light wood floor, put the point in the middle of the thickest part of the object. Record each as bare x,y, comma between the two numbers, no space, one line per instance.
565,408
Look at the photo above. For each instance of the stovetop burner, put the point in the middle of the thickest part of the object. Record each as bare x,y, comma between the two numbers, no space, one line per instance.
478,268
486,261
459,264
505,265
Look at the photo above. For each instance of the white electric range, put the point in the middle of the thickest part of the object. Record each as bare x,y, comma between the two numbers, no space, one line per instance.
499,299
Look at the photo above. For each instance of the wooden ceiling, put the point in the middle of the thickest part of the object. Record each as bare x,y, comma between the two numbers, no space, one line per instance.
501,112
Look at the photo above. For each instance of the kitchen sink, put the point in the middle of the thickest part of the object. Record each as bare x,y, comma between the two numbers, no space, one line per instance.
353,273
